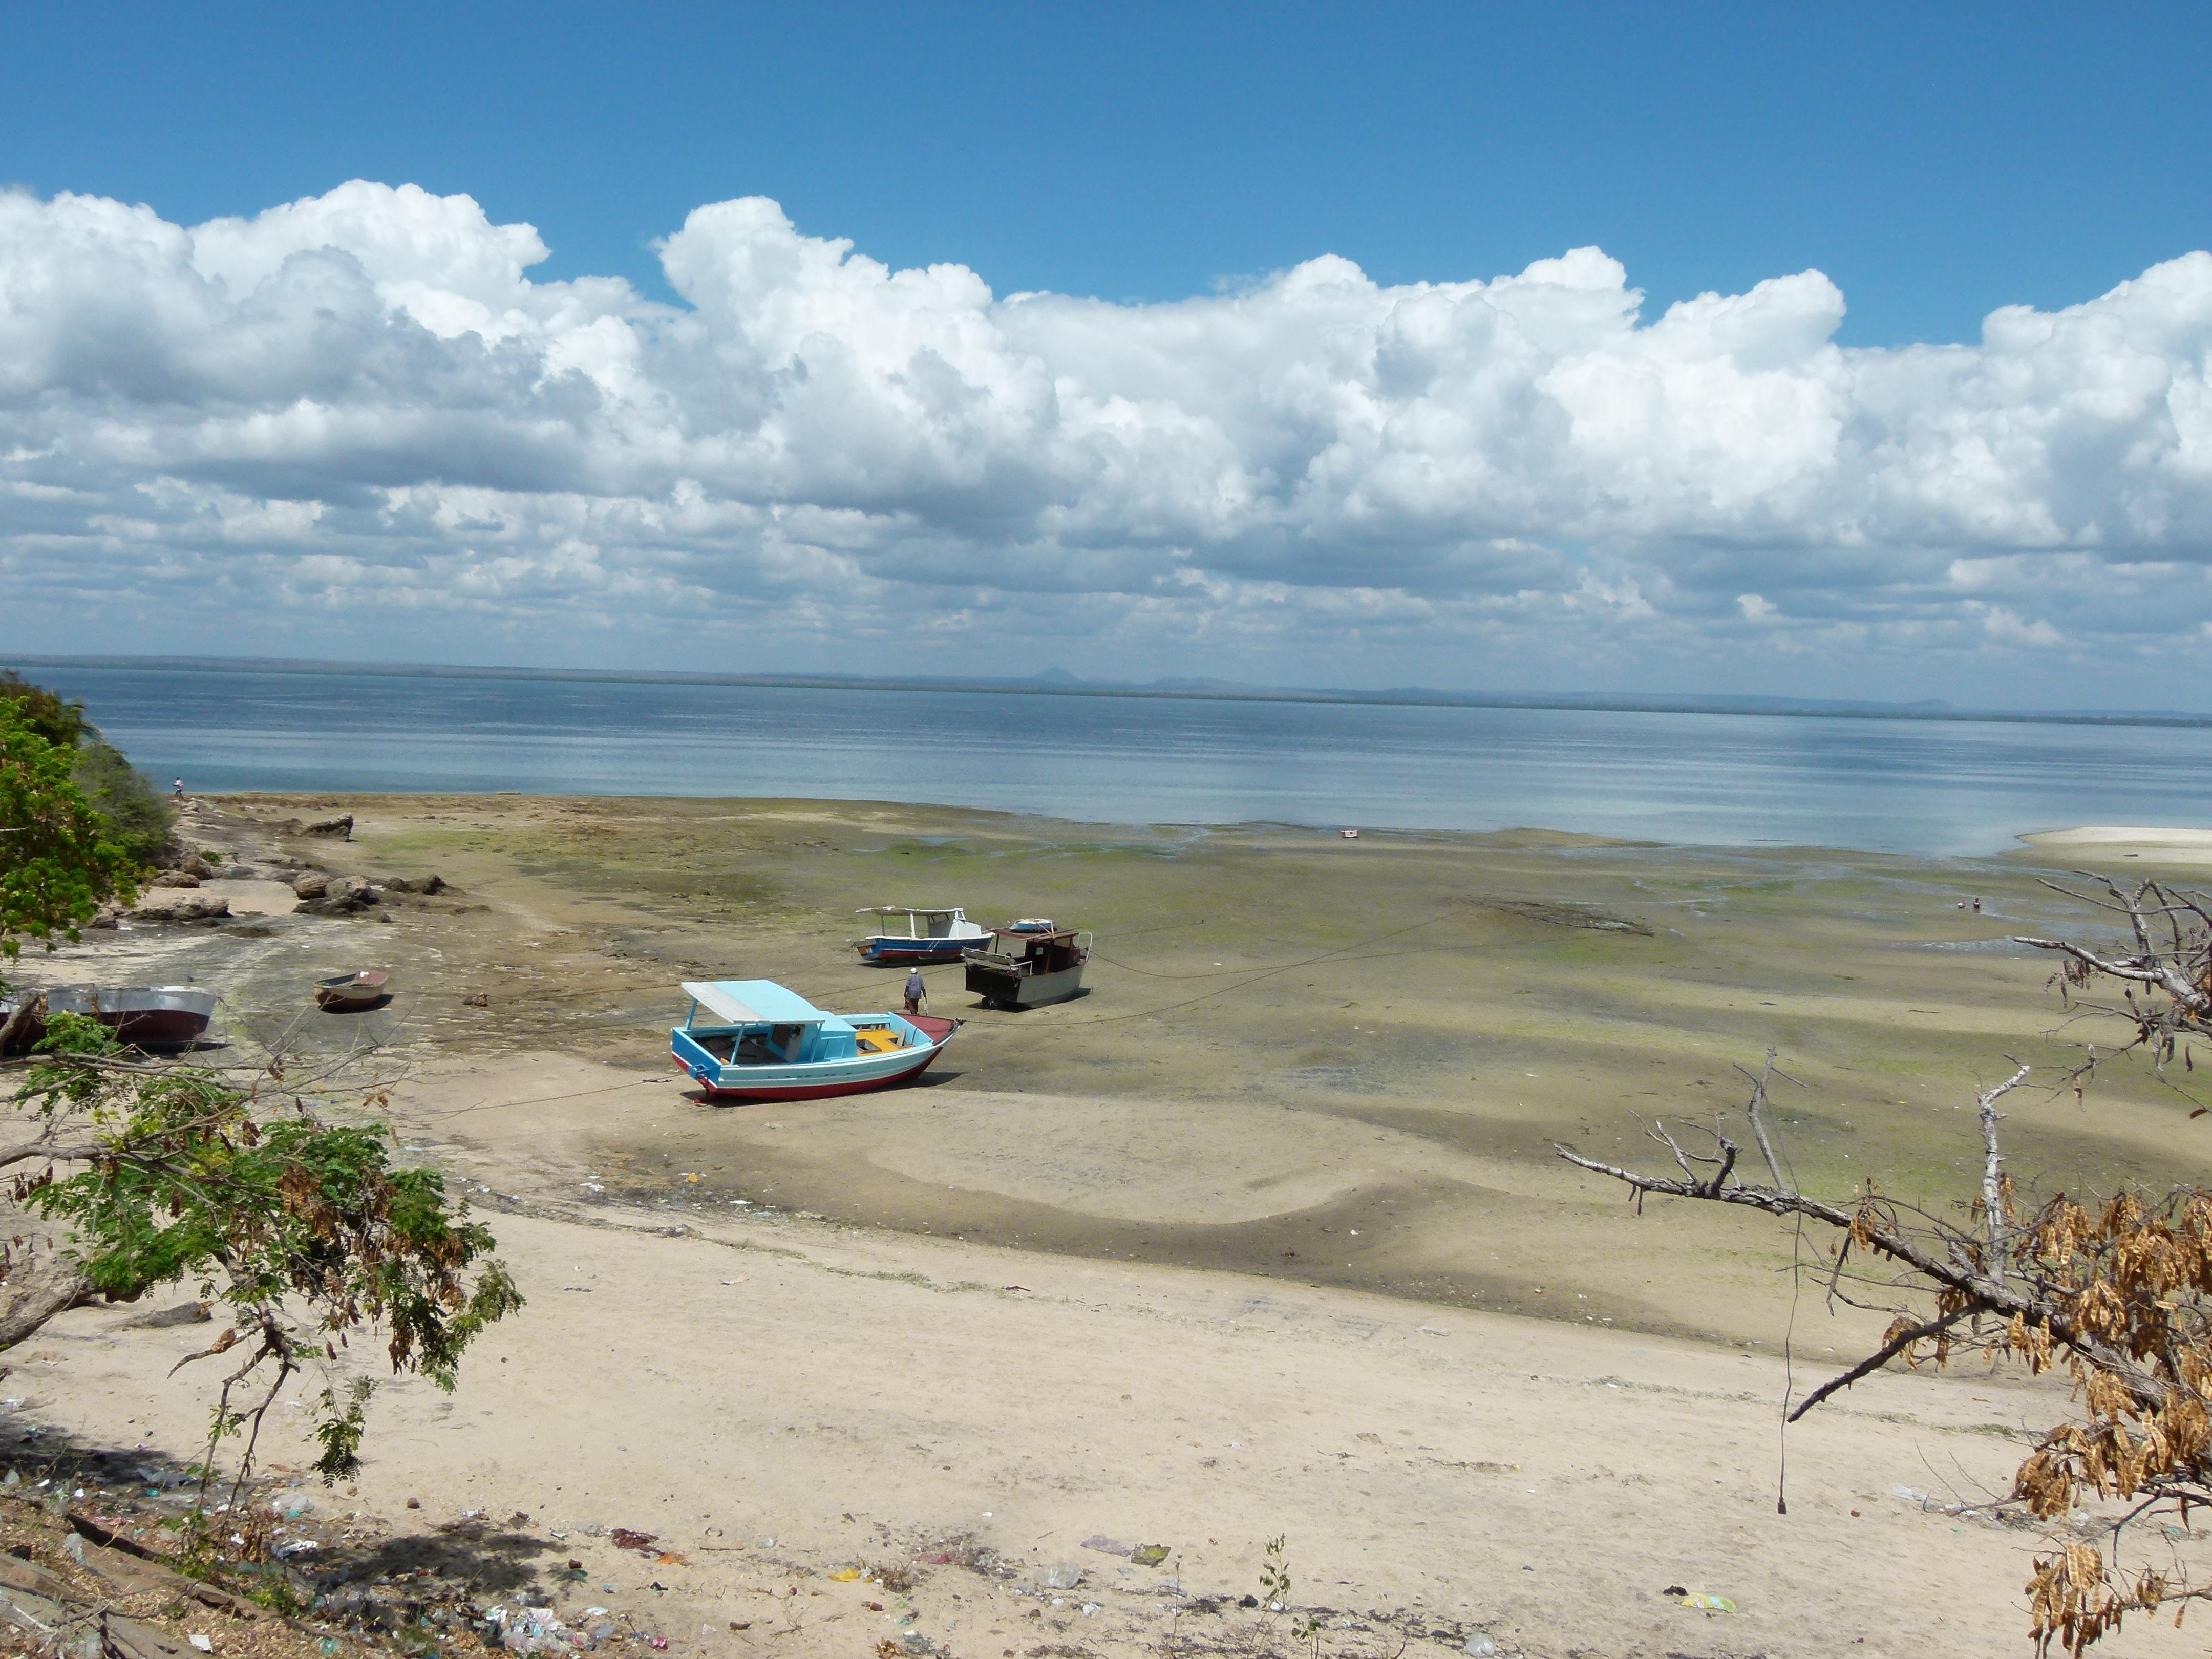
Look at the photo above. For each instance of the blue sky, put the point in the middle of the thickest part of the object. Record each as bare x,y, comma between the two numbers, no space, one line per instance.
1937,161
528,389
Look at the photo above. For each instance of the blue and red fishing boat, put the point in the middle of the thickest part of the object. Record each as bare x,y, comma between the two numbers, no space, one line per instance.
751,1039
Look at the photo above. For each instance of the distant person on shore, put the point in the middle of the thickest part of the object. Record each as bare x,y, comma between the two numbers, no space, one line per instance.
916,992
178,788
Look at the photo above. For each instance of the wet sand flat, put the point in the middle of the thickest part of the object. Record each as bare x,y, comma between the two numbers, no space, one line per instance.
1329,1062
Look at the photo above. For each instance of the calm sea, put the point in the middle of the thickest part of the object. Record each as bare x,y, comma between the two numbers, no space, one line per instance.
1926,787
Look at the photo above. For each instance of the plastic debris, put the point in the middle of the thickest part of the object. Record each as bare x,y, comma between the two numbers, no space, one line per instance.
624,1539
1149,1555
202,1643
1106,1546
1480,1646
531,1630
1062,1575
846,1576
1709,1603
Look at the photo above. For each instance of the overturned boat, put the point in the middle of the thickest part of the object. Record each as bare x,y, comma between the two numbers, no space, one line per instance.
752,1039
150,1016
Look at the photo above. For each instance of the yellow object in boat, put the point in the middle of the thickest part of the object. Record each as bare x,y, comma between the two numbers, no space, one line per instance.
875,1040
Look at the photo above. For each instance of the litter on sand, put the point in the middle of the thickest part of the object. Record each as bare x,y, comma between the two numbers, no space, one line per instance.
1709,1603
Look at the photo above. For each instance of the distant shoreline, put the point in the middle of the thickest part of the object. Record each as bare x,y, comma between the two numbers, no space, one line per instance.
1196,691
2183,846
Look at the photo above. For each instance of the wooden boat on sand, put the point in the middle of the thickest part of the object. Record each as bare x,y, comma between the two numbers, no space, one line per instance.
353,993
751,1039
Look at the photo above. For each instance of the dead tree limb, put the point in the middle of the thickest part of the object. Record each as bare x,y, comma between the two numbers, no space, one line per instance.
1995,1207
1873,1362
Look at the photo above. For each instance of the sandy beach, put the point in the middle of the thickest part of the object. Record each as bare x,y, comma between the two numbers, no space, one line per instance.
1263,1236
2100,845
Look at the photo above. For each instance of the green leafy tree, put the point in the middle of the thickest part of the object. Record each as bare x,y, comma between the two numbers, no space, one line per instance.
59,859
139,820
303,1231
59,722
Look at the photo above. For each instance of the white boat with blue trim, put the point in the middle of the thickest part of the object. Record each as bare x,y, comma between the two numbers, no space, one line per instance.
752,1039
928,936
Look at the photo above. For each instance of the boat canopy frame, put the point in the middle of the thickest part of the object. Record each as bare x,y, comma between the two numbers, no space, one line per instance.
752,1002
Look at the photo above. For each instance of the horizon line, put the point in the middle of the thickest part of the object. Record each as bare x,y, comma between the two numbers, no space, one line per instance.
1060,682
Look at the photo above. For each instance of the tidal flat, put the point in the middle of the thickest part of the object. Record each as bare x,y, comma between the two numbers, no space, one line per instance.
1342,1062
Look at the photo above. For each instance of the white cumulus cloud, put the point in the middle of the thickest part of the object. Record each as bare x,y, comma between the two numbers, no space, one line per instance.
357,421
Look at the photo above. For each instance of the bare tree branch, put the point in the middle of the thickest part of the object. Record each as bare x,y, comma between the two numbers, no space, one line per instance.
1757,1111
1875,1361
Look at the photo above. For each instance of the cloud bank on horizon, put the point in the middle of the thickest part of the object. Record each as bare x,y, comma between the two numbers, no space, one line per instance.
354,425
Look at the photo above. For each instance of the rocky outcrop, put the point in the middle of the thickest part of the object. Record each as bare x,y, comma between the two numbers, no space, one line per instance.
193,907
336,896
176,858
337,829
415,884
310,883
174,878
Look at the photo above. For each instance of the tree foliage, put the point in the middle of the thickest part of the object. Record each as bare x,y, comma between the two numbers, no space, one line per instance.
60,859
140,819
304,1230
61,723
2115,1290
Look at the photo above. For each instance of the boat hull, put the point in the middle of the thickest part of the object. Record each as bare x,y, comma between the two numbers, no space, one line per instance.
339,1002
826,1089
353,993
899,952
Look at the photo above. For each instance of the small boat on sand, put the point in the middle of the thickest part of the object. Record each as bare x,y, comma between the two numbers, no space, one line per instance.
751,1039
1027,963
929,935
352,993
151,1016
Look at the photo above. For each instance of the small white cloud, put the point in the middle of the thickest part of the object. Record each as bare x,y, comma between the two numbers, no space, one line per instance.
1755,609
2001,623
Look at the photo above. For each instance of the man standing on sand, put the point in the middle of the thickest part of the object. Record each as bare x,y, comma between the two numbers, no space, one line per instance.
916,992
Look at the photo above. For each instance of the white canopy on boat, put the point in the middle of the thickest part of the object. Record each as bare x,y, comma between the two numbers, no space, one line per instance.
753,1002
